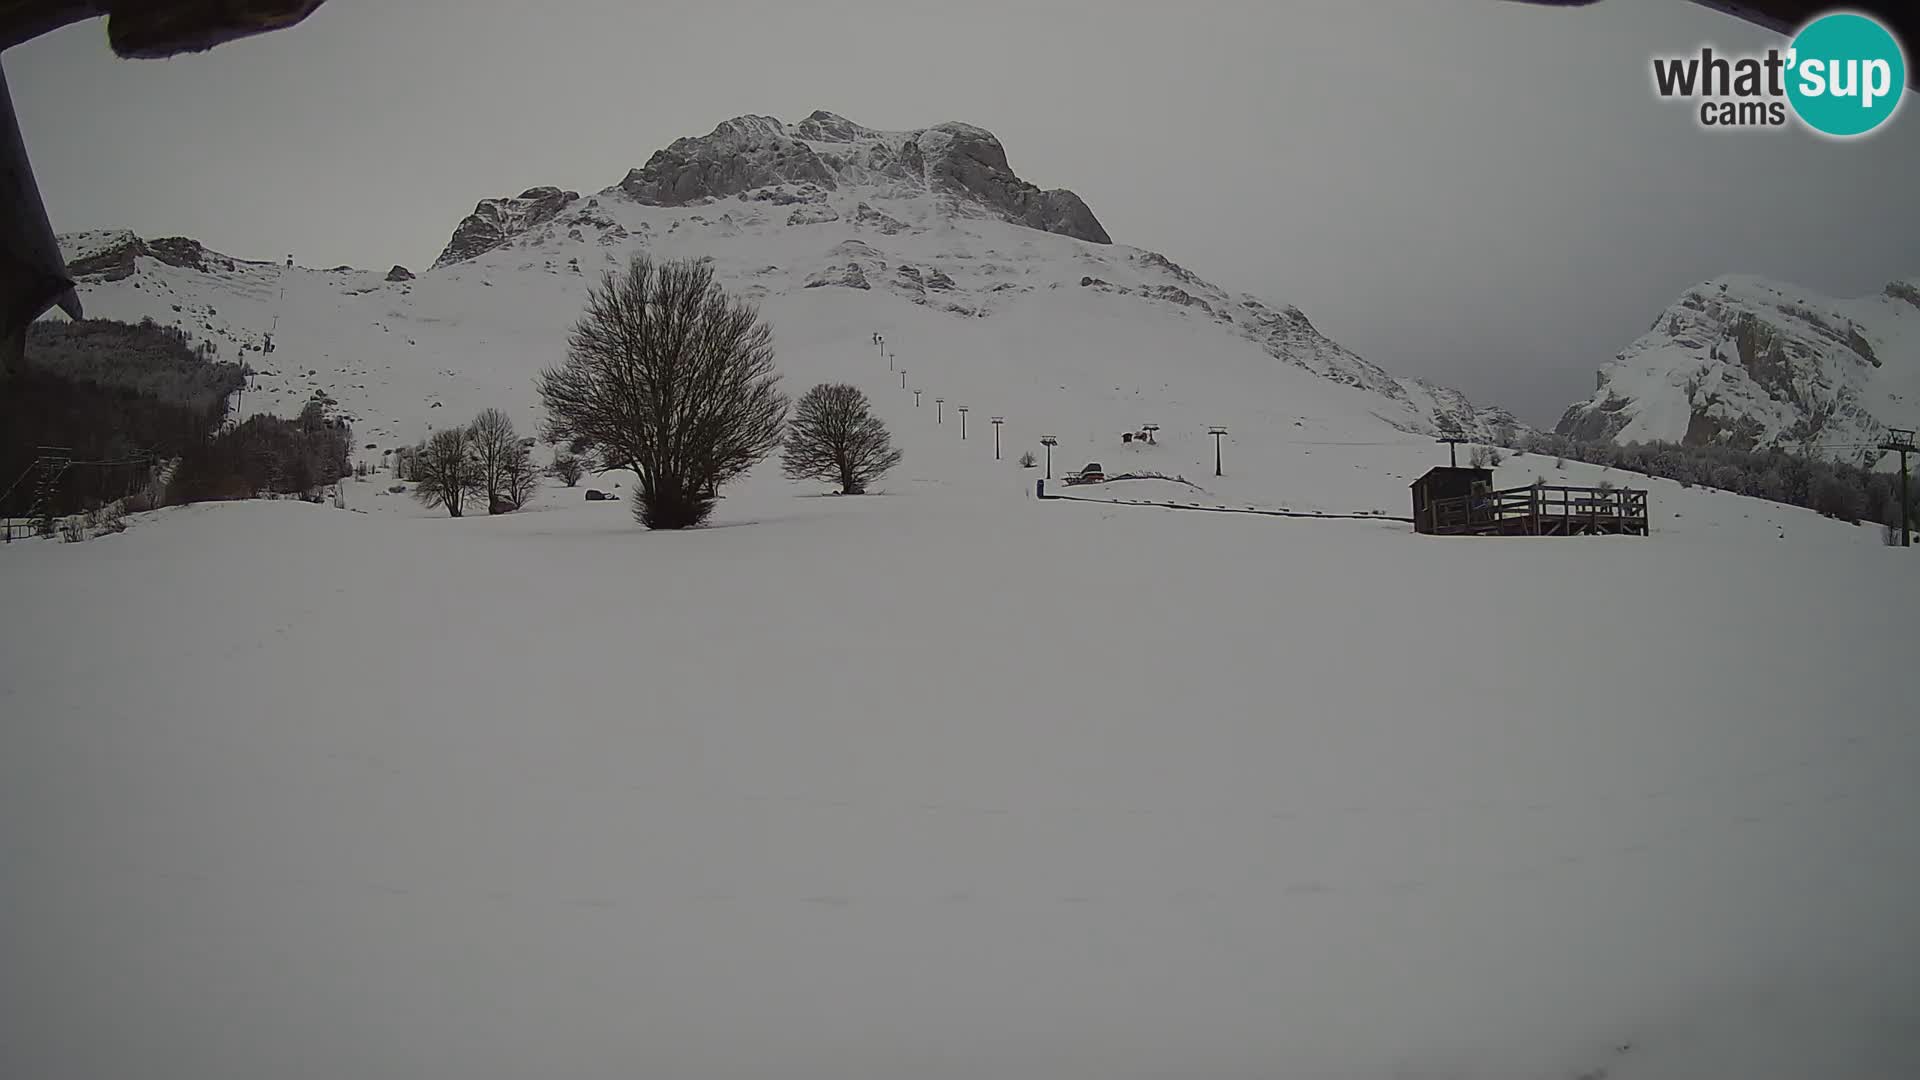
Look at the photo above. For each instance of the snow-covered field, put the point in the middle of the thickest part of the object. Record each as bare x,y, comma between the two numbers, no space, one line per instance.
951,783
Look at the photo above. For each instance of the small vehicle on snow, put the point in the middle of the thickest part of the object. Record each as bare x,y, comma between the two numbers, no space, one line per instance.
1092,474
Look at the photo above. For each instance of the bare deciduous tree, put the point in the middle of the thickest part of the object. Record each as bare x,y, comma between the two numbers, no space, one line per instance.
835,437
519,477
495,446
566,468
444,471
670,377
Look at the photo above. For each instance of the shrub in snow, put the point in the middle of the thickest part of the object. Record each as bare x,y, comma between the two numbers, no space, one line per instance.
566,468
396,489
73,529
835,437
668,376
1028,461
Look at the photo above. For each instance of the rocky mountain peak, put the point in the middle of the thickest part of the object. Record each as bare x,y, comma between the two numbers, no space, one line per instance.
1749,362
823,126
828,150
494,221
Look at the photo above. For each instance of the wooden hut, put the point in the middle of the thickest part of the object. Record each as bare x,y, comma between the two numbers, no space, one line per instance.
1444,482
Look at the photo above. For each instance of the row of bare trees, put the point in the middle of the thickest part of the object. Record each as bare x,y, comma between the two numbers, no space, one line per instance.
669,377
485,461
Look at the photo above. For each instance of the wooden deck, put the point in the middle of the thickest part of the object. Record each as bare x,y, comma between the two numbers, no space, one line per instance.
1542,511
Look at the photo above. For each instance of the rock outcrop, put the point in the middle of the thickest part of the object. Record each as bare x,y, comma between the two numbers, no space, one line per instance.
495,221
399,273
110,255
741,154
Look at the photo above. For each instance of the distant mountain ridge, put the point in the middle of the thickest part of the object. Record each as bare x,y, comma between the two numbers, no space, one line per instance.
933,218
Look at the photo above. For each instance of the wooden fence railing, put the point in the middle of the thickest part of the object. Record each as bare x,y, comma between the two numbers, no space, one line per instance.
1543,510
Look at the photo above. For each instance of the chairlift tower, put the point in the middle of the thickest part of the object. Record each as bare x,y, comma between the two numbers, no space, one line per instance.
1900,441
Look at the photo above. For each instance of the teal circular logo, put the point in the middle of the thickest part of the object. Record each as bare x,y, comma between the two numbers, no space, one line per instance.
1845,75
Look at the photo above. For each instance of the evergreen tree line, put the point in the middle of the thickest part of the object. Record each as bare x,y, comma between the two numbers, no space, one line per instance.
267,454
162,362
129,395
1848,492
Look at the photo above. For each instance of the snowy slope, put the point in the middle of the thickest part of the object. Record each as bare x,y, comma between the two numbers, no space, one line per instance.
1752,362
950,783
1046,328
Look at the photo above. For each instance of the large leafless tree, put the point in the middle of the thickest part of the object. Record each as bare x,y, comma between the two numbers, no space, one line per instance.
834,436
670,377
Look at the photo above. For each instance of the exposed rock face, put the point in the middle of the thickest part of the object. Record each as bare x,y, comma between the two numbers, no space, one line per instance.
849,276
750,153
968,160
495,221
399,273
111,255
1751,363
741,154
189,254
107,255
869,217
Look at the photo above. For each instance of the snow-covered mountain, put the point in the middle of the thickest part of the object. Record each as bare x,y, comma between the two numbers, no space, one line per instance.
1756,363
986,286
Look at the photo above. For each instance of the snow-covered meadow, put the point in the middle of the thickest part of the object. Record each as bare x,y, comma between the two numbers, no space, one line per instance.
950,782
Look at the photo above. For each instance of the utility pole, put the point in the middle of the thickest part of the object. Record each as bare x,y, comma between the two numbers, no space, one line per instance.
1150,429
1216,431
997,421
1049,442
916,399
1900,441
903,378
939,410
889,359
1452,441
963,423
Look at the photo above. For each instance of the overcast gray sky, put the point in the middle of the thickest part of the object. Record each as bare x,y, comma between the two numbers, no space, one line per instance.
1482,193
